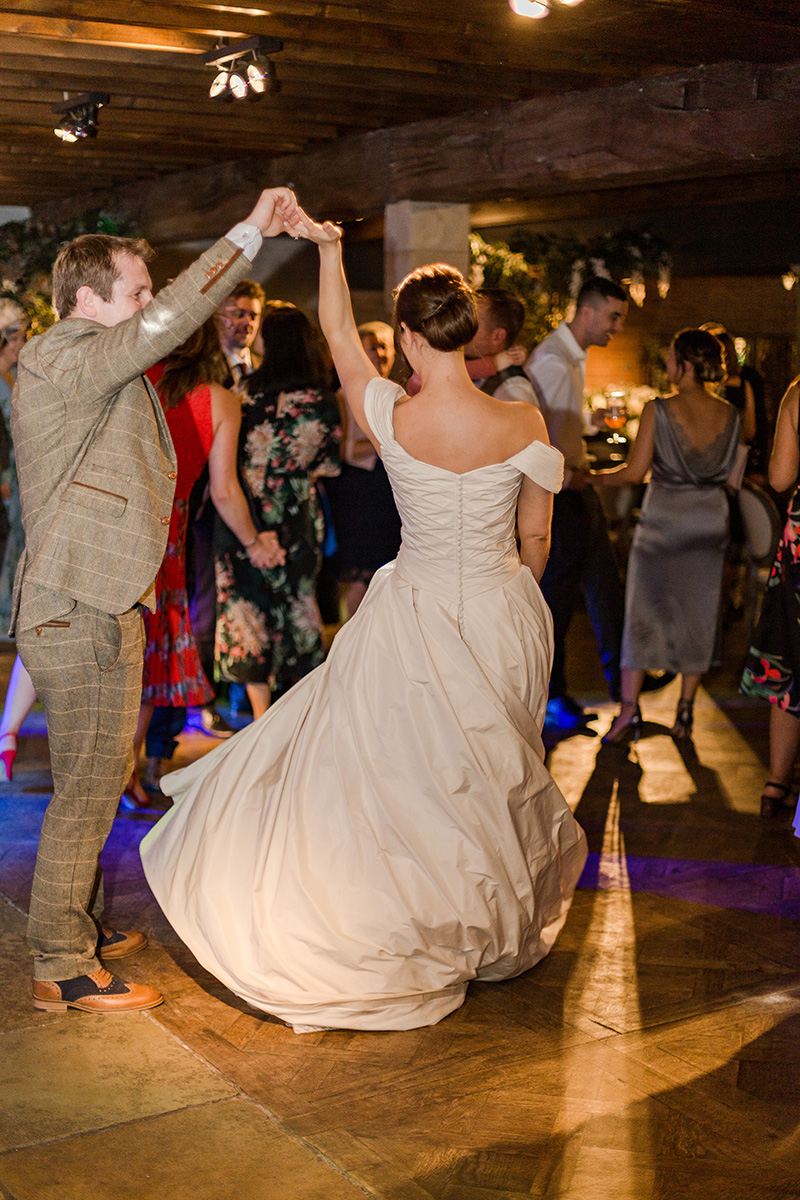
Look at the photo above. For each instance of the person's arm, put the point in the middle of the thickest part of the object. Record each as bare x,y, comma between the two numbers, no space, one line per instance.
101,360
640,459
748,413
784,461
262,549
535,504
534,514
353,366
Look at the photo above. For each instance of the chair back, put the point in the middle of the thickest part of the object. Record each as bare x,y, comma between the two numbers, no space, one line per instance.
761,521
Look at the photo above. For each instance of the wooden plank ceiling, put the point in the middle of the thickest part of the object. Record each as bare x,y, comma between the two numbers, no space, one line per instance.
349,66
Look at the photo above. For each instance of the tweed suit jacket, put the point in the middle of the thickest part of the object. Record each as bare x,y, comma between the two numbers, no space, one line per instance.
94,457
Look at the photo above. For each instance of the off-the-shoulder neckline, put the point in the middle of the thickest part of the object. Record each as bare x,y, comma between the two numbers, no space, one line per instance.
446,470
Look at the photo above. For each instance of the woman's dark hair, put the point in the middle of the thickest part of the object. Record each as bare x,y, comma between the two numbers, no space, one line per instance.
437,302
292,353
196,361
702,351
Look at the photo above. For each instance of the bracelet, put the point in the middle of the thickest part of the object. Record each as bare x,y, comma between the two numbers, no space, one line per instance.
247,545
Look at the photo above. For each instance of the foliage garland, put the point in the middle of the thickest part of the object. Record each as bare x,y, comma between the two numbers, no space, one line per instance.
28,250
547,270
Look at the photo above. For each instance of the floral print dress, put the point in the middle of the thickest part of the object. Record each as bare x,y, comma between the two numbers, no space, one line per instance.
772,668
269,628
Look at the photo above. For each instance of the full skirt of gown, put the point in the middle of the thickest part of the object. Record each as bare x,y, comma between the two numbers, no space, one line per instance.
387,831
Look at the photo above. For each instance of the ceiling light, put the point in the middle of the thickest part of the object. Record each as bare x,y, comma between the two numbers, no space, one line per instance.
79,116
237,82
538,8
219,85
261,75
530,8
236,76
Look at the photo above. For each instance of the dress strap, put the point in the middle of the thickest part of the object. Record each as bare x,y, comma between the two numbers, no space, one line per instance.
380,397
541,463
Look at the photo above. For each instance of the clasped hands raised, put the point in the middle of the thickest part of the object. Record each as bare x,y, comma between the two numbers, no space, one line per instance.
277,211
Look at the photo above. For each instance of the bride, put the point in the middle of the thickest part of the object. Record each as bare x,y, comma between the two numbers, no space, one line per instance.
388,831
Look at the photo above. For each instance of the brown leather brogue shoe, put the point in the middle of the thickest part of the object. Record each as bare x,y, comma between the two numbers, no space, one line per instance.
100,992
114,943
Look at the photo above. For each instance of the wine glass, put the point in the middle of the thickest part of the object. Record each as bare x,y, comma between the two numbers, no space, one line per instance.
615,415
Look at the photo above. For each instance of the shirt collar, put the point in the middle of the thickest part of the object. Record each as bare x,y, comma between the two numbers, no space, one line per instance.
575,351
241,356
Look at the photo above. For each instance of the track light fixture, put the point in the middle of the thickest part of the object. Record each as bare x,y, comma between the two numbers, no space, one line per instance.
79,116
243,68
538,8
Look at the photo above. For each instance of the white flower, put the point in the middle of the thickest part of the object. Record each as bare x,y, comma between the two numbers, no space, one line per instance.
259,444
255,477
307,441
246,629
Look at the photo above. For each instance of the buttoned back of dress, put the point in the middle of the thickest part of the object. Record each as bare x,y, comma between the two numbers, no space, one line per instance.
458,529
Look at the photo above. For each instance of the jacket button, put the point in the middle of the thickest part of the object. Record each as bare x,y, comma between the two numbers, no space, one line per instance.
173,475
165,520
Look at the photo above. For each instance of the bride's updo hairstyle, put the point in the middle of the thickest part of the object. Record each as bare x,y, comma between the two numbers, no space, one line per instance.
437,302
702,351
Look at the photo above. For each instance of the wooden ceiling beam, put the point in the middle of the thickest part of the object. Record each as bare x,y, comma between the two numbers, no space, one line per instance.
689,194
633,135
293,105
133,141
239,123
175,26
345,48
371,85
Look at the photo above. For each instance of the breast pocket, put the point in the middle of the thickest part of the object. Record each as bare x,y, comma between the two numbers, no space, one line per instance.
99,491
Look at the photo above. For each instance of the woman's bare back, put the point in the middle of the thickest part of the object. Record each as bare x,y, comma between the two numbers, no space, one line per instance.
463,430
701,417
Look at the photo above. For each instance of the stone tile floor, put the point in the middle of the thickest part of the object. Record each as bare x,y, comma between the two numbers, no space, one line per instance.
655,1055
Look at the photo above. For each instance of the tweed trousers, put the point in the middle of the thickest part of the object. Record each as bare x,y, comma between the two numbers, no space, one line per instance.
87,672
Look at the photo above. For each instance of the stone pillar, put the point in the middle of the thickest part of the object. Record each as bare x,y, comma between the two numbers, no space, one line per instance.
416,233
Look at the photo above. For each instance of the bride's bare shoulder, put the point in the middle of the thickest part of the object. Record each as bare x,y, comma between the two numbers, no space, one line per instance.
526,422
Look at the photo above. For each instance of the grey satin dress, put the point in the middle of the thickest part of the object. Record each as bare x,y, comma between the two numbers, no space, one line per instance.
675,568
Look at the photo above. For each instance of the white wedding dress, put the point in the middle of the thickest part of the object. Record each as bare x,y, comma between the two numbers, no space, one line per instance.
388,831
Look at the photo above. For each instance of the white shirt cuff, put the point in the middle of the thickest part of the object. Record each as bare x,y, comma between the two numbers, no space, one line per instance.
247,237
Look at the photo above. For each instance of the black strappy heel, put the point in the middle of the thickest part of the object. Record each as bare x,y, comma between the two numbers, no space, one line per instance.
629,732
684,720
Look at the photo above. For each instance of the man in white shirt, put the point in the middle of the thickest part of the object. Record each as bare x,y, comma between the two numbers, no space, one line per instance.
580,555
500,318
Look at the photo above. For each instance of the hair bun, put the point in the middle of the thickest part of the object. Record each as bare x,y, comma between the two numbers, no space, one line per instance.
437,302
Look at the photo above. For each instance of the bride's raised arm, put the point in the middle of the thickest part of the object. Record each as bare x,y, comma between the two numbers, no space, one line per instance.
336,314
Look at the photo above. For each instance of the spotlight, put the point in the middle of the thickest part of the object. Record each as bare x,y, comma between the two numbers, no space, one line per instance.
530,8
237,81
236,76
538,8
79,116
261,76
219,85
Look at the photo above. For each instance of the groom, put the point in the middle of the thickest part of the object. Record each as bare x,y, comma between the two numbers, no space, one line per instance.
97,473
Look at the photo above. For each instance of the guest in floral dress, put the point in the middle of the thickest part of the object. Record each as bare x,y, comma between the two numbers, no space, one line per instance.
772,668
269,631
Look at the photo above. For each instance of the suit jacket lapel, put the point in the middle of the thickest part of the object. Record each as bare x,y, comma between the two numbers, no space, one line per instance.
161,420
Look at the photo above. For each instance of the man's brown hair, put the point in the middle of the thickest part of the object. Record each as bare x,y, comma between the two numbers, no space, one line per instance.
250,289
92,260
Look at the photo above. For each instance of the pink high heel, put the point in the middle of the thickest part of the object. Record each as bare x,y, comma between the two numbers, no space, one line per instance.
7,757
134,796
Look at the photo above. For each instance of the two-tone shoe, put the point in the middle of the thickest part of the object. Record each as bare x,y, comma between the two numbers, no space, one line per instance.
114,943
101,992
